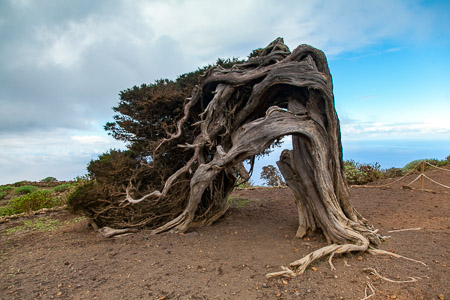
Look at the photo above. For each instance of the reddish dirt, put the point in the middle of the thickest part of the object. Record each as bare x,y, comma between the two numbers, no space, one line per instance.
229,259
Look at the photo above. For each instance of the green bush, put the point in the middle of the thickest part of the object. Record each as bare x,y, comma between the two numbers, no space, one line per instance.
393,172
415,164
6,188
7,211
49,179
4,191
83,191
31,202
36,200
357,173
62,187
26,189
115,167
20,183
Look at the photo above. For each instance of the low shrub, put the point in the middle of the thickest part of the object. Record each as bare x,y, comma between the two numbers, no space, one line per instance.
393,172
6,188
244,185
357,173
3,195
26,189
4,191
84,190
31,202
20,183
49,179
7,210
62,187
415,164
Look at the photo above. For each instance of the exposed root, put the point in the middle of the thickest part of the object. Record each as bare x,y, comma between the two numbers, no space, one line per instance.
108,232
374,272
300,265
384,252
285,273
372,290
330,261
406,229
170,225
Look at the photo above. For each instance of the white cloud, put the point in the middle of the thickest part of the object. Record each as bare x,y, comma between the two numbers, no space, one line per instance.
354,130
58,153
208,27
62,65
91,139
66,48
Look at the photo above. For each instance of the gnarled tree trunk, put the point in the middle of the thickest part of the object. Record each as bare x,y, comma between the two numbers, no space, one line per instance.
243,111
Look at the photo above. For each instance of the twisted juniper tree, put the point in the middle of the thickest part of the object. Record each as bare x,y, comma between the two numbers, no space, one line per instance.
192,136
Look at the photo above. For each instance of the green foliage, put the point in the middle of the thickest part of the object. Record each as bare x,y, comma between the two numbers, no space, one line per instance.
49,179
114,166
357,173
7,211
5,191
82,179
25,189
40,224
62,187
6,188
244,185
393,172
415,164
272,176
31,202
256,53
77,198
20,183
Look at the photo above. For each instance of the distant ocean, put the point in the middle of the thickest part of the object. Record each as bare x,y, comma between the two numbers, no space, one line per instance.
395,153
388,153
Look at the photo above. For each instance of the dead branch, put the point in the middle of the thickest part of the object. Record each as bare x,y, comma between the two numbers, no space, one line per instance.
374,272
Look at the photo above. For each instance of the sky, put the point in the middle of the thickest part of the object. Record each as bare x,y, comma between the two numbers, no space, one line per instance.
63,64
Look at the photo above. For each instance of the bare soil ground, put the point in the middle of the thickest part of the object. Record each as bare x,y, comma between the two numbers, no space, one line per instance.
229,259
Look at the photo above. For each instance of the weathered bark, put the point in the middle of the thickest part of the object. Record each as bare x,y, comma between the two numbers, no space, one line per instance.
243,110
289,95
